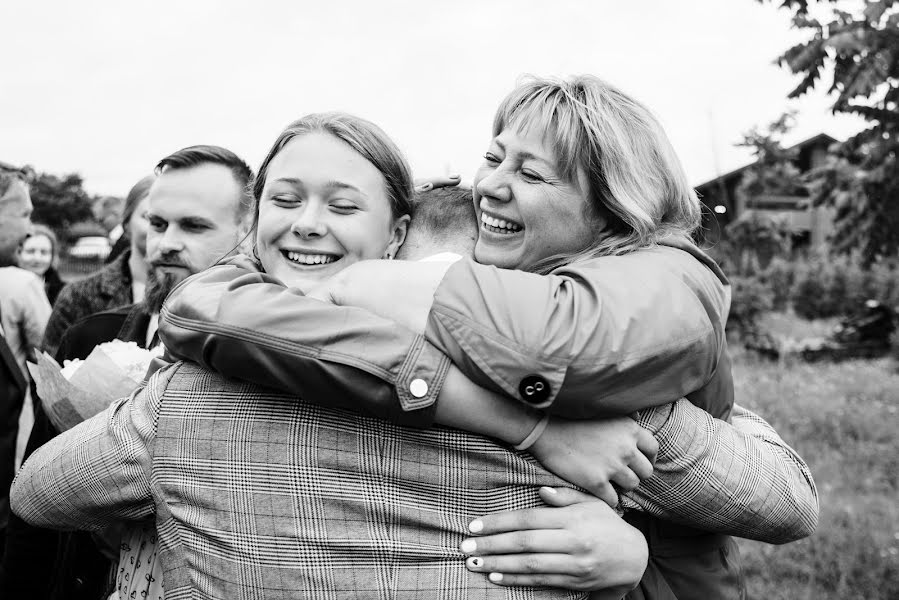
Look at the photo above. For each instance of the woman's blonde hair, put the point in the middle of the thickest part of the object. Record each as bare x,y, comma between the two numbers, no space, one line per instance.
636,181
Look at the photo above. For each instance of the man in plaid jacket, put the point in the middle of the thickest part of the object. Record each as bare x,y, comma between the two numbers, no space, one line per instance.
259,494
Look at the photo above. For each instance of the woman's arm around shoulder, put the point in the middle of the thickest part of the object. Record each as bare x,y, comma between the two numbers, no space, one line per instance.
599,337
238,321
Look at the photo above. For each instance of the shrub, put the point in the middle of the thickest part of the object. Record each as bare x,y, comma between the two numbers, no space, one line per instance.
815,287
751,297
810,290
882,283
826,286
780,276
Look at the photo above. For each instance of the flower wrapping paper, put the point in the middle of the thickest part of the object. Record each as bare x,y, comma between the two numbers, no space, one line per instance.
96,383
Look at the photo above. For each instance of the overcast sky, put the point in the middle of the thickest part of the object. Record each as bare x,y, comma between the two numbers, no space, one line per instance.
106,89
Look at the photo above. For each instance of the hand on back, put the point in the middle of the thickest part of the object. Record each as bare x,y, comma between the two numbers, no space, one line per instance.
578,543
596,454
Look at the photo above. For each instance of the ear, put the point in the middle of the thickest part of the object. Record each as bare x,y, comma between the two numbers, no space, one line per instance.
398,235
246,236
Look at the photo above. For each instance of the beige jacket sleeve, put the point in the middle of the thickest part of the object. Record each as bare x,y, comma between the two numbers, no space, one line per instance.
605,336
25,312
238,321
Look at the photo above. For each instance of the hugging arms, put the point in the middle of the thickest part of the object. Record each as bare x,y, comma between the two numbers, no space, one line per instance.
589,301
231,319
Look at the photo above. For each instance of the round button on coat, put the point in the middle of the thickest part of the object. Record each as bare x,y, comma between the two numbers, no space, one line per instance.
418,388
534,389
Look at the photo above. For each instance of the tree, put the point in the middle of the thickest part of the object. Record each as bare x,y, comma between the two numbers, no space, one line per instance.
773,173
860,50
755,238
60,202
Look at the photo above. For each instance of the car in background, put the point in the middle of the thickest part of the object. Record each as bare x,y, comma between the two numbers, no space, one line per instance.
91,246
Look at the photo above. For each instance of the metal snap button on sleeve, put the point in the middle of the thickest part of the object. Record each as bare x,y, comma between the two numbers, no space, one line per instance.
418,388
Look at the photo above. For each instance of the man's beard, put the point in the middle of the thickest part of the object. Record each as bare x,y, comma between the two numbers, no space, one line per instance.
160,283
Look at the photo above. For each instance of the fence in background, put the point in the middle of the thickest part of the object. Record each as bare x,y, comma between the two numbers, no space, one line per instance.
73,268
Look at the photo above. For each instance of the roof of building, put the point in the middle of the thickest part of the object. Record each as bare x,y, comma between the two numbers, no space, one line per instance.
815,140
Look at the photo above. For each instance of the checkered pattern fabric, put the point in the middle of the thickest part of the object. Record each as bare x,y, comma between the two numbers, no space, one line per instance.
259,495
738,478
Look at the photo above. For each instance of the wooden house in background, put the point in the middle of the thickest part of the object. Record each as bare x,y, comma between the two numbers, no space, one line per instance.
810,225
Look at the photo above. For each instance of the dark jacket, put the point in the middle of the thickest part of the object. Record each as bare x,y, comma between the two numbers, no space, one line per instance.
108,288
43,564
12,396
53,284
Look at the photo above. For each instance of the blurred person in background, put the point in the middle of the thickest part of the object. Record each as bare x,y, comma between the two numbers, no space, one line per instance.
119,283
40,255
109,211
132,220
195,209
15,216
24,310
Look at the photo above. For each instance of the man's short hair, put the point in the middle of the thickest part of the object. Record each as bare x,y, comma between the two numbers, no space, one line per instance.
443,214
9,177
194,156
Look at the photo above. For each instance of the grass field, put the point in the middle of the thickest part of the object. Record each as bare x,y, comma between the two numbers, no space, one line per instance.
844,421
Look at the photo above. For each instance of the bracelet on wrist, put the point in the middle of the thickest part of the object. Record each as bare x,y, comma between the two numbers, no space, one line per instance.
534,435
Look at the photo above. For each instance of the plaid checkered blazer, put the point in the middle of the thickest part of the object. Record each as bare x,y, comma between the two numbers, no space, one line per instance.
259,495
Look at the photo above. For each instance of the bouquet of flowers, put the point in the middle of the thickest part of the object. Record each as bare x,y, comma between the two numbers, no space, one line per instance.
83,388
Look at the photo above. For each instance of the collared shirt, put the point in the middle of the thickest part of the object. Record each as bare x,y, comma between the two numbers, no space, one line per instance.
258,492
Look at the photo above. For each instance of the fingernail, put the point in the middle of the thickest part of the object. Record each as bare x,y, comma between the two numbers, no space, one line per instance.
476,526
426,187
549,490
455,176
475,562
495,577
468,546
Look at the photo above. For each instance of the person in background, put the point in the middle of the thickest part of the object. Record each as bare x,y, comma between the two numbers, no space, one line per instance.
195,185
15,216
109,212
40,255
130,225
24,310
119,283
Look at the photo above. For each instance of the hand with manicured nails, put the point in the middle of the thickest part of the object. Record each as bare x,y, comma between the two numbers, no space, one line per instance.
595,454
579,543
